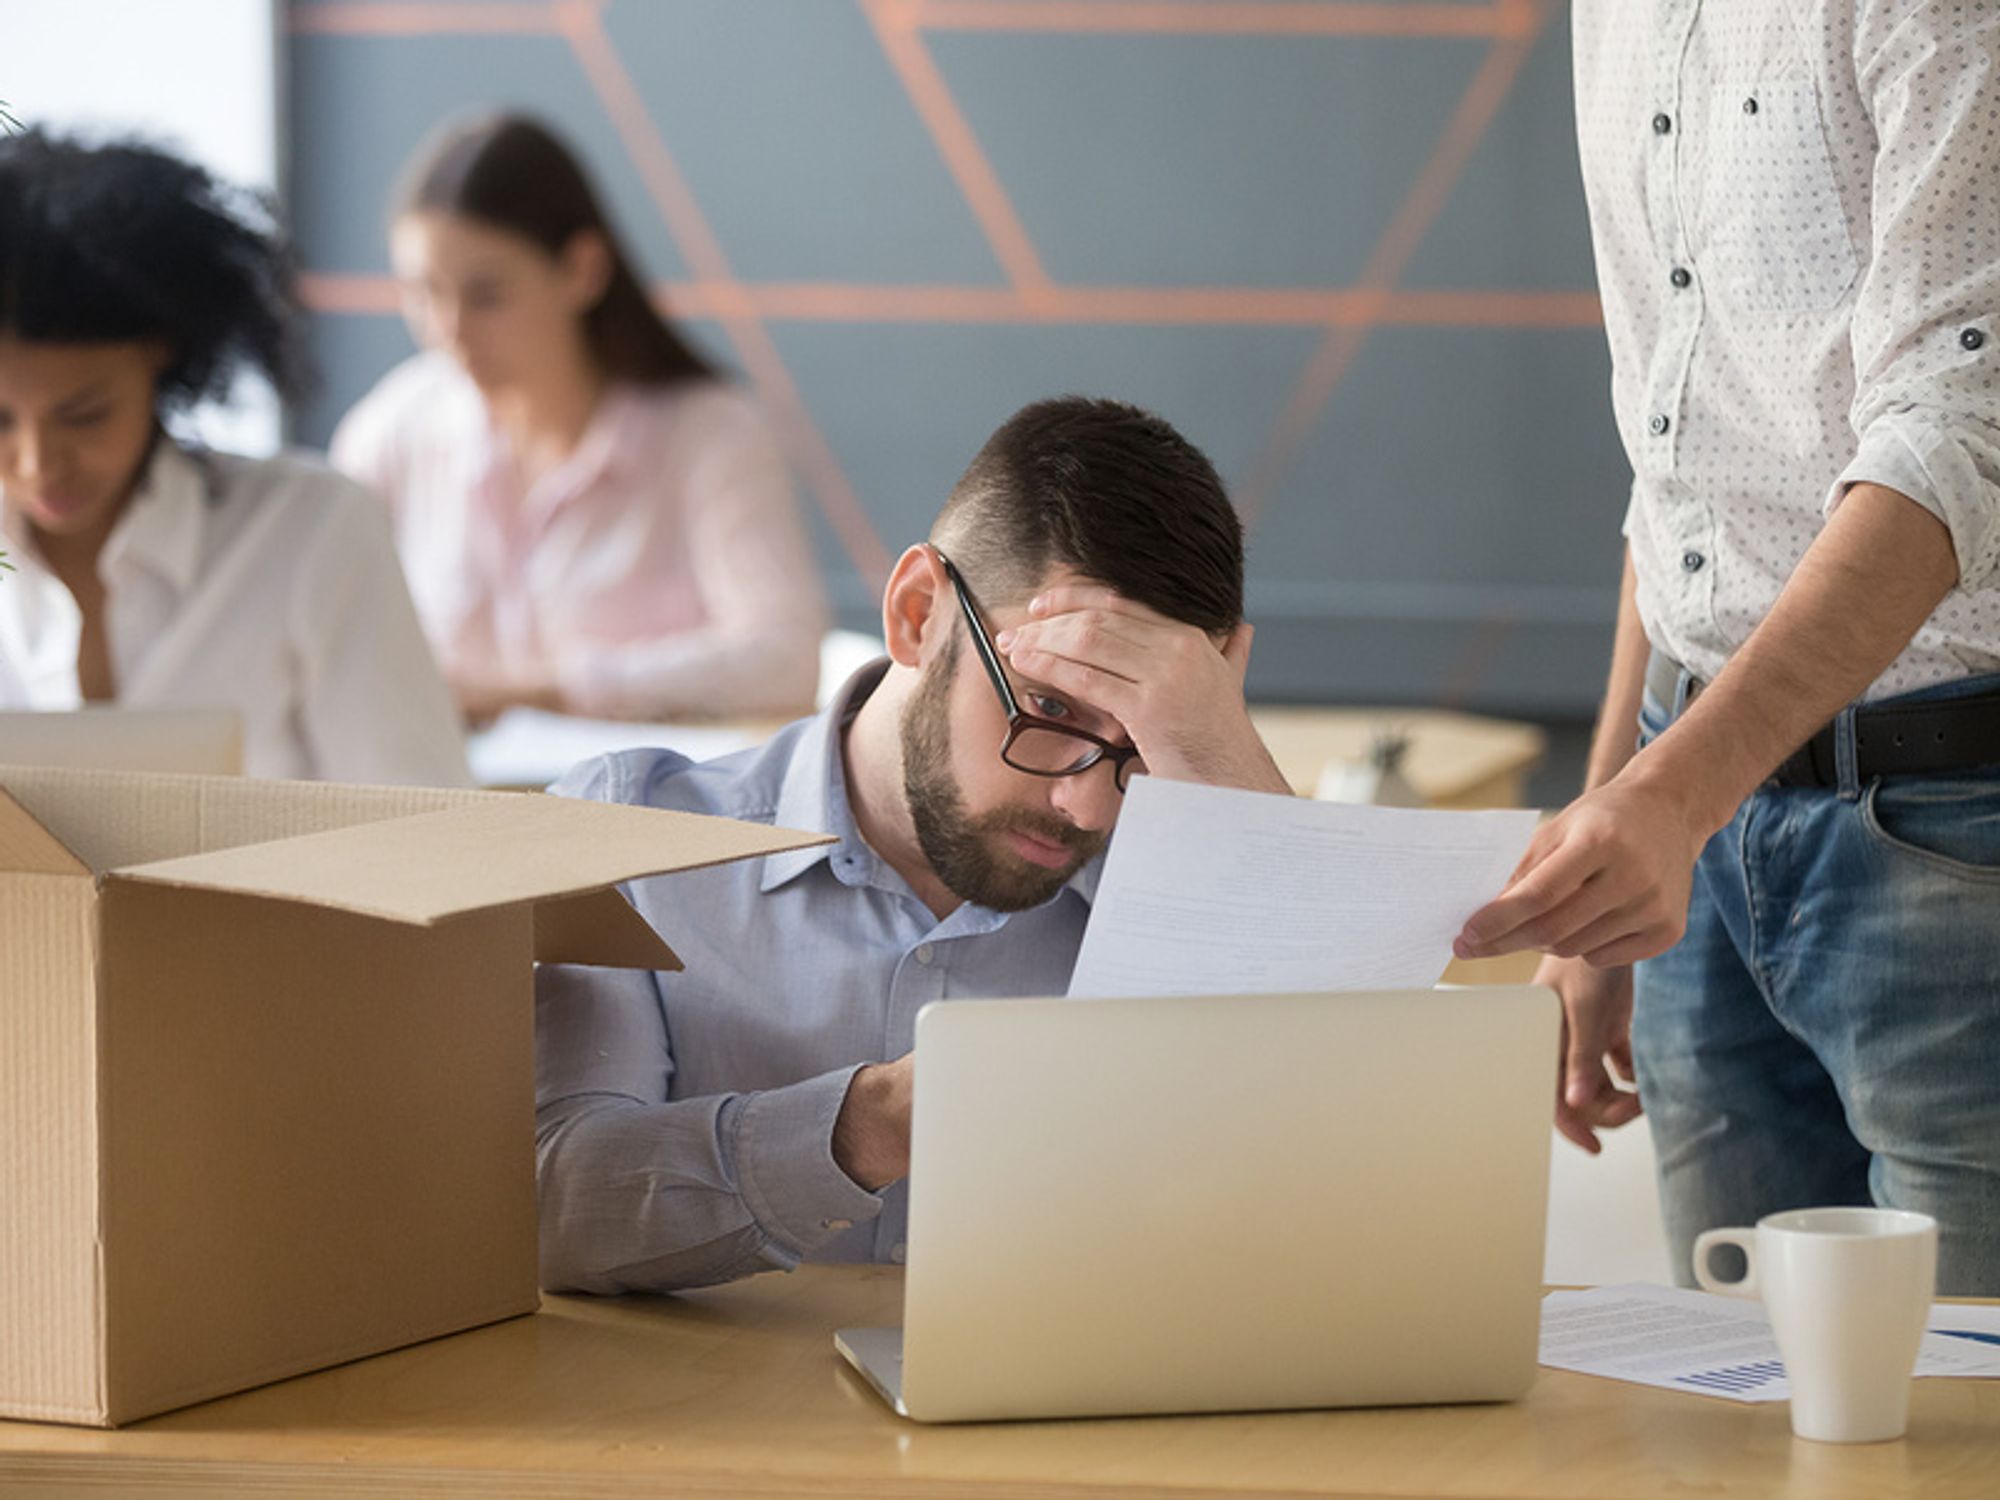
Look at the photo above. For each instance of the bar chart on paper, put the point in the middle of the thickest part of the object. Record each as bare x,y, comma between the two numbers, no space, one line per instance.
1735,1380
1718,1346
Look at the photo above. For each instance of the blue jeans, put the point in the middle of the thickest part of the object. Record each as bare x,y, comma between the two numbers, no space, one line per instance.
1828,1031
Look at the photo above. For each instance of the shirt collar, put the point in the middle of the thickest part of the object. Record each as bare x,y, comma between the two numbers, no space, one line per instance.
161,530
813,798
813,795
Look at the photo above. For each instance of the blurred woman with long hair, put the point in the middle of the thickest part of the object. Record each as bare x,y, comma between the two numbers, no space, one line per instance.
593,520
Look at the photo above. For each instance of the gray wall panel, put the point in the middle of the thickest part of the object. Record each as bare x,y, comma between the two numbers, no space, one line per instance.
1446,523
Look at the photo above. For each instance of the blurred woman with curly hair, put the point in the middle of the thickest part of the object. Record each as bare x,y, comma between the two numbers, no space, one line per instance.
152,572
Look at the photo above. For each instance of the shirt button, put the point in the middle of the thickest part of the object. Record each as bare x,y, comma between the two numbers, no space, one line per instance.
899,1252
1662,124
1972,338
1749,106
1691,561
1681,277
924,953
1658,424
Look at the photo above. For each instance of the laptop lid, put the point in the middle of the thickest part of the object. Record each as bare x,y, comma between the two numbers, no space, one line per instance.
1226,1203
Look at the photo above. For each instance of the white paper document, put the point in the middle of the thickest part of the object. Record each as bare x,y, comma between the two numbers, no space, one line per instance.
1978,1326
1714,1346
1213,891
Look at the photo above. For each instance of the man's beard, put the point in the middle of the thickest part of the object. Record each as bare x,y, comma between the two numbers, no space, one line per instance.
969,854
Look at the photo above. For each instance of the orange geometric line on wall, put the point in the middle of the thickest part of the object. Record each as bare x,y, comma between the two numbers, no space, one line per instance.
1204,18
1253,307
963,156
362,18
1169,17
1405,232
583,25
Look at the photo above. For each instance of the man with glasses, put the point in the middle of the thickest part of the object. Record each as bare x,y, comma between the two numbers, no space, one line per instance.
1075,619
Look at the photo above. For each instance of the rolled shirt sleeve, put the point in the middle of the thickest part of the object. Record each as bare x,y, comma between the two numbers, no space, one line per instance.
1926,412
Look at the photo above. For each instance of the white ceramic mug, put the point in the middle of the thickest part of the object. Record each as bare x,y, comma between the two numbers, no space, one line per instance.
1848,1291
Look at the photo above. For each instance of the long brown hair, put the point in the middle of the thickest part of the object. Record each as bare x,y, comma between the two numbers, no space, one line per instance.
512,173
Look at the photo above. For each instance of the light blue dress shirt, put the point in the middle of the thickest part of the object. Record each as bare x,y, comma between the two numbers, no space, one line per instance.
684,1122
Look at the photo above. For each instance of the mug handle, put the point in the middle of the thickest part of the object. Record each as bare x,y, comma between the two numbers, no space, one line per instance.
1744,1240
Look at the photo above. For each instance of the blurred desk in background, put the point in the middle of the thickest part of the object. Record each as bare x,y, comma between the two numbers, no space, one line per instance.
527,748
1454,760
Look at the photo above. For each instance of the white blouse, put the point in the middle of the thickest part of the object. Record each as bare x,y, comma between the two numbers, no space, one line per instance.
270,587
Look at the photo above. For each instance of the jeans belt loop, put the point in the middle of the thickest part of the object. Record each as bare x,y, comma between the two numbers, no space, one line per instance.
1846,764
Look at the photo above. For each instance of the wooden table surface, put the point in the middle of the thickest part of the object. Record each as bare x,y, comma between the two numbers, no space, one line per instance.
738,1391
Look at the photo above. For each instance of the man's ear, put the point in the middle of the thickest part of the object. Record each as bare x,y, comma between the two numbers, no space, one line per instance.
915,605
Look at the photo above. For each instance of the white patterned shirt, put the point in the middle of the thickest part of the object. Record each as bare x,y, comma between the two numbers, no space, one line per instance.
1796,212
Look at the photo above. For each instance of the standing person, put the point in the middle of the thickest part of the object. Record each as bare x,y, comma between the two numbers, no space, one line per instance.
592,519
1075,618
154,573
1799,252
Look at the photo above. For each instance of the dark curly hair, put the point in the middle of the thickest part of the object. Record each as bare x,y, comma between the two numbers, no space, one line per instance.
123,242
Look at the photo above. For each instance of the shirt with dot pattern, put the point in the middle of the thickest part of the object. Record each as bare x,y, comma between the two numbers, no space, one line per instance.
1795,206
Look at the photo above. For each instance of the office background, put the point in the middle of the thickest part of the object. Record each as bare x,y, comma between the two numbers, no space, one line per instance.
1342,246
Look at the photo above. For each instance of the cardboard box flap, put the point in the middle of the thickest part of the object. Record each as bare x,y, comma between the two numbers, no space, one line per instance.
513,849
108,819
598,927
27,848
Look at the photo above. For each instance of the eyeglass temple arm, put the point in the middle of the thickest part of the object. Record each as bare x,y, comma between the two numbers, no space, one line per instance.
980,640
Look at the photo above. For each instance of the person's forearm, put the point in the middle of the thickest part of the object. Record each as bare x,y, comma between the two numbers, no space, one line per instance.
771,669
1876,573
659,1197
1615,739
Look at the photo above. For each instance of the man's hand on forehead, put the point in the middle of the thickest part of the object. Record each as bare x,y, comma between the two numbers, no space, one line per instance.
1179,695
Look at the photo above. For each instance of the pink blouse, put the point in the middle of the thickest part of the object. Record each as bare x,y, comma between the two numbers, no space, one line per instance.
659,571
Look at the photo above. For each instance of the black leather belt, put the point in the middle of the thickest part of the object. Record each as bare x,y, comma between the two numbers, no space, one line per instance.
1890,739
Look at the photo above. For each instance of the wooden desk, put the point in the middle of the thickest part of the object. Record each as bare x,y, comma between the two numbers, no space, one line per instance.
1454,759
738,1392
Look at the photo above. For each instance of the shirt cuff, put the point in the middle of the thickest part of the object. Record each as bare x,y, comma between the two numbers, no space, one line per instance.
1951,470
783,1148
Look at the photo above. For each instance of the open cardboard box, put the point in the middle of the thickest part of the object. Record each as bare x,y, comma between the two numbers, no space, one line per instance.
267,1063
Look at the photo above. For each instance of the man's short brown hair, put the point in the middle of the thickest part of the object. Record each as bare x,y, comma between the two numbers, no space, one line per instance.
1109,490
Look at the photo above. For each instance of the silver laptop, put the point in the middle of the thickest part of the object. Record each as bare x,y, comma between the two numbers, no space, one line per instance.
1121,1207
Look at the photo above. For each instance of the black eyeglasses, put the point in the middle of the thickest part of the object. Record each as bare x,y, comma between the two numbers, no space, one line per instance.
1040,747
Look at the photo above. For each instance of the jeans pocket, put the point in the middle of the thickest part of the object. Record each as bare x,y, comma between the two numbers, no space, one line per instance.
1950,822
